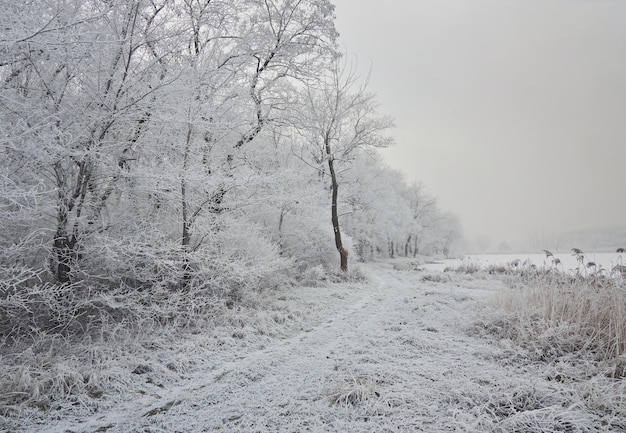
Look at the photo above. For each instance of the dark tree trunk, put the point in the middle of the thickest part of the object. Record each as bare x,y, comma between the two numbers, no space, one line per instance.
343,253
281,240
65,243
186,238
186,219
407,246
64,249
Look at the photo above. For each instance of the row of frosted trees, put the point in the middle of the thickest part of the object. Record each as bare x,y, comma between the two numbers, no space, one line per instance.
191,144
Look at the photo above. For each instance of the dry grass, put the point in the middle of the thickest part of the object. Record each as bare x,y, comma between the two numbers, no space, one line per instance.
573,326
581,310
585,312
516,267
466,267
357,391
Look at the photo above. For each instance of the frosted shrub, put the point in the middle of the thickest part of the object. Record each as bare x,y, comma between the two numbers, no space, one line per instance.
21,266
436,278
141,258
313,276
45,307
136,281
238,258
310,243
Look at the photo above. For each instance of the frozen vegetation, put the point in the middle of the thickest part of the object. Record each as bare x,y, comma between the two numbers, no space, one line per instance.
394,348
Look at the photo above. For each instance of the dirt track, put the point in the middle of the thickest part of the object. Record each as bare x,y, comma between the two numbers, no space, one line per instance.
395,354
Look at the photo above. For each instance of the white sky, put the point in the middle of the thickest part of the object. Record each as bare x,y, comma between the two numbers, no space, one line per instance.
511,112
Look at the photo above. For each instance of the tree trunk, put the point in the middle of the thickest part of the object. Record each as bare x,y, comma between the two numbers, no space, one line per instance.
406,246
186,238
281,242
186,220
343,253
65,241
65,257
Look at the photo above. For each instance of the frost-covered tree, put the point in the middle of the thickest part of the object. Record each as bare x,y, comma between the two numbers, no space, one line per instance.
340,117
76,81
433,230
290,202
386,217
243,56
424,211
116,112
375,210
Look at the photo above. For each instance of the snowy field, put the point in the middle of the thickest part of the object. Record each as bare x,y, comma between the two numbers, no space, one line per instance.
404,351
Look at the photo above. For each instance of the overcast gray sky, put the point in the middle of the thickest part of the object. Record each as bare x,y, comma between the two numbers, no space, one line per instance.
511,112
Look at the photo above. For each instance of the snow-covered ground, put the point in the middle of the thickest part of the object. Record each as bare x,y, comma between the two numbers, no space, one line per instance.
405,351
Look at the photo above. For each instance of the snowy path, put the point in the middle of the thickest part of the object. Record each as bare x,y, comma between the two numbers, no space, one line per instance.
394,356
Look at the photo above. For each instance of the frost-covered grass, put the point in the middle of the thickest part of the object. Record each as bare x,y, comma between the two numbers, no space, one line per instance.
574,326
402,350
570,313
573,341
583,309
586,304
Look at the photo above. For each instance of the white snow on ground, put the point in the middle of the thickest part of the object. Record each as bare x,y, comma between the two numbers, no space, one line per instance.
401,352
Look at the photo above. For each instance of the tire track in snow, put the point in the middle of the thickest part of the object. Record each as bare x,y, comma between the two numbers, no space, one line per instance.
398,347
131,414
291,378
